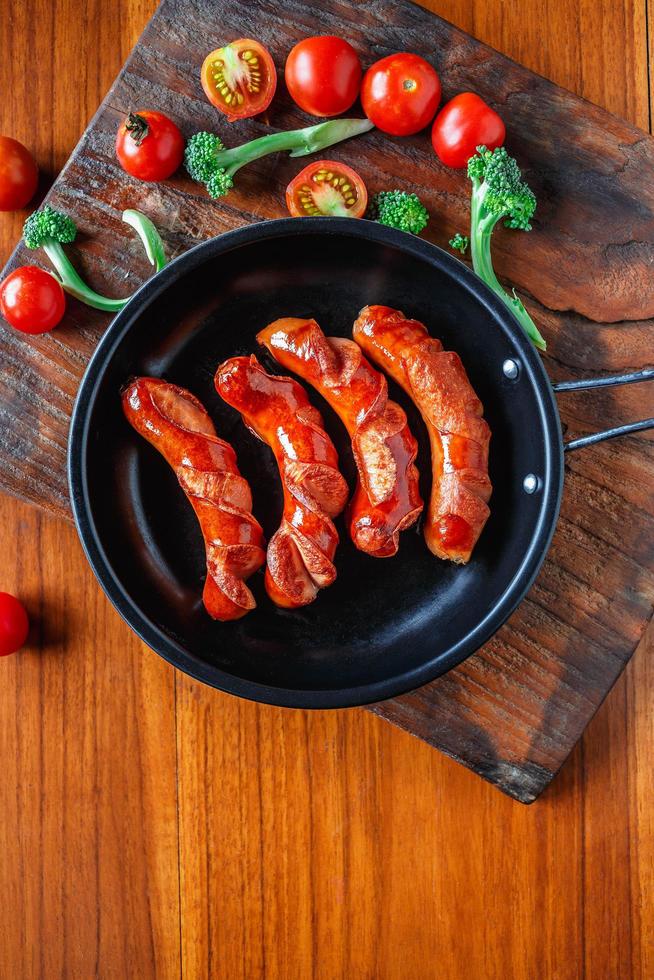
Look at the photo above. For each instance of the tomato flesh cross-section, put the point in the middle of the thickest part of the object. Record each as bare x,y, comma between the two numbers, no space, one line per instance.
239,79
328,188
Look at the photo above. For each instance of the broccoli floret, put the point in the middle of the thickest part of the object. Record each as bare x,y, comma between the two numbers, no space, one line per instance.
200,156
48,225
460,243
497,178
49,229
499,192
398,209
208,162
219,184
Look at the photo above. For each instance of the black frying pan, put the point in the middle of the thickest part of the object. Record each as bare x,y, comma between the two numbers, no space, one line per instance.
387,625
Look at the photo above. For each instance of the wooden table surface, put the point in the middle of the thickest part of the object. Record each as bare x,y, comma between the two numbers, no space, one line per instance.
152,827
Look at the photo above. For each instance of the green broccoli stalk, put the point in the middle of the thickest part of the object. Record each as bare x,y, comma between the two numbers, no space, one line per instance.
459,243
208,162
498,191
49,229
398,209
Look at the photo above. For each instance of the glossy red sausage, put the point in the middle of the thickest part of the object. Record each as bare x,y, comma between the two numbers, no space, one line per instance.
176,423
301,552
387,499
437,382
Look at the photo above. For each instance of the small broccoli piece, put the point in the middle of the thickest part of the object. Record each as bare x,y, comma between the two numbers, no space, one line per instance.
202,161
219,184
48,225
209,163
49,229
499,193
398,209
459,243
200,156
502,190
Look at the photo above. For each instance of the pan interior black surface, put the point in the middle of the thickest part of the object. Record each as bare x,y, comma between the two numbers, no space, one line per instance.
388,625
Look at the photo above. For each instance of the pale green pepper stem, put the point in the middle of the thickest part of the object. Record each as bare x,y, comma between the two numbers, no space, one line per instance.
152,243
73,283
299,142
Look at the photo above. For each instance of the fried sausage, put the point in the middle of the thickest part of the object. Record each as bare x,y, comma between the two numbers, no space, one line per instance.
386,499
438,384
178,426
278,411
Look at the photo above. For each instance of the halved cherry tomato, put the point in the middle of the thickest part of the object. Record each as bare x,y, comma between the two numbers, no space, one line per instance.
32,300
14,624
462,125
327,188
400,93
149,145
19,175
323,75
239,79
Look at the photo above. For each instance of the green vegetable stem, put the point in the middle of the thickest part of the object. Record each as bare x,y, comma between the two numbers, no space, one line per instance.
499,192
50,229
208,162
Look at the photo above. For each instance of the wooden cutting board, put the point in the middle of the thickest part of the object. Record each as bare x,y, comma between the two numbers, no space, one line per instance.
513,712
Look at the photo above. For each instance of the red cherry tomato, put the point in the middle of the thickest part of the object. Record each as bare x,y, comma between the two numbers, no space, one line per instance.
14,624
323,75
400,94
462,125
149,145
327,188
239,79
32,300
19,175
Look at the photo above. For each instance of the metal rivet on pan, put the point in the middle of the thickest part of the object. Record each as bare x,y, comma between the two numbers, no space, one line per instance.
531,483
511,369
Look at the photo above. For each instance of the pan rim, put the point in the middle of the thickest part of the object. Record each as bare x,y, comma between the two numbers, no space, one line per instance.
174,652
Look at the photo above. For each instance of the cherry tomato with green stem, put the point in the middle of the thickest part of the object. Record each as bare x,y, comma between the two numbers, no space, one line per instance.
32,300
149,145
462,125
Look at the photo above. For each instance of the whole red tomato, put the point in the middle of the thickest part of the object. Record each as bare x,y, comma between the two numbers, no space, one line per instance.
32,300
19,175
149,145
323,75
400,94
462,125
14,624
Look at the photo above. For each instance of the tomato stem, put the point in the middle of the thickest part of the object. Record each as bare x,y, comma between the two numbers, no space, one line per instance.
137,127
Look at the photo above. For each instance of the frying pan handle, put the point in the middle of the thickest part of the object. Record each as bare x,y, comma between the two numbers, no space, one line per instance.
646,374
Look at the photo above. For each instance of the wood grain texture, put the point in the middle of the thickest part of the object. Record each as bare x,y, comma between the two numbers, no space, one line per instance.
88,828
312,845
513,712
